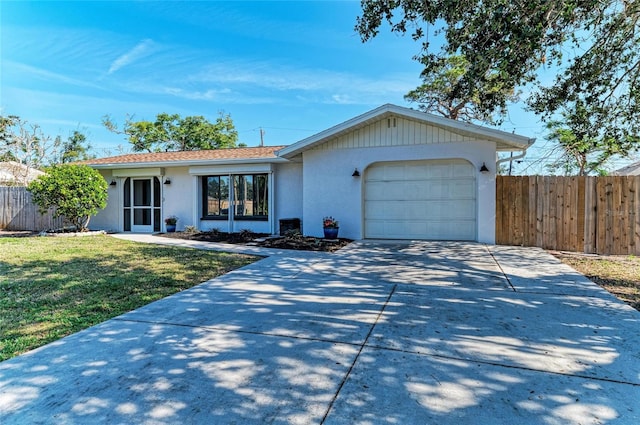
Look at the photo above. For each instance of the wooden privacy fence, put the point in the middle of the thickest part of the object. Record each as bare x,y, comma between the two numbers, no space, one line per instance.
584,214
18,212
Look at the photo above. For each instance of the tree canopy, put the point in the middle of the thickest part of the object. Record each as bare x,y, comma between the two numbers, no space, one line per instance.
593,45
436,93
24,143
75,148
171,132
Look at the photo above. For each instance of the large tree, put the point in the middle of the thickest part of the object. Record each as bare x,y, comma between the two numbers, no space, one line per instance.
170,132
437,93
25,143
75,148
592,43
583,150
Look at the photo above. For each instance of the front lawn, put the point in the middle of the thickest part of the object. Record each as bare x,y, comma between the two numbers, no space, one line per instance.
52,287
618,274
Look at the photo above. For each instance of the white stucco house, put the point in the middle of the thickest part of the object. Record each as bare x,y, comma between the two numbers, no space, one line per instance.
390,173
14,173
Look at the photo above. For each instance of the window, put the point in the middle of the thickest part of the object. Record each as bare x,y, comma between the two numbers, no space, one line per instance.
216,197
248,200
250,196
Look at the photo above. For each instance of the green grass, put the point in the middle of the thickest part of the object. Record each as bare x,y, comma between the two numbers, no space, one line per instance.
52,287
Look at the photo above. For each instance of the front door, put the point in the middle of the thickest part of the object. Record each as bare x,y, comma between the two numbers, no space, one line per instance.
142,205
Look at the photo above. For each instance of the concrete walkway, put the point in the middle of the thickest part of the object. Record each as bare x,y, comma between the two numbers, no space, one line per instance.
379,333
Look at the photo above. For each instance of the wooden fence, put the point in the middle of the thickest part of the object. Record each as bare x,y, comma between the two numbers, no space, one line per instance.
18,212
584,214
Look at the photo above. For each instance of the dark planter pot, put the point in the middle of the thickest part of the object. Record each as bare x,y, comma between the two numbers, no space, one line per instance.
331,232
171,228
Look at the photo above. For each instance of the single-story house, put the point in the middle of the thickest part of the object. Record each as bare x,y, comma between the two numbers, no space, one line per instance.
390,173
629,170
14,173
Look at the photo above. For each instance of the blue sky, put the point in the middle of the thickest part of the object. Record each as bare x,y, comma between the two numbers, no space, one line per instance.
292,68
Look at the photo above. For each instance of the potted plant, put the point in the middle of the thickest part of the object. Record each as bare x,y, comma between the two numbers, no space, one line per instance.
170,222
330,226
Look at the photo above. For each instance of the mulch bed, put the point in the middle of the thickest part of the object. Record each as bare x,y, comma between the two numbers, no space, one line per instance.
300,243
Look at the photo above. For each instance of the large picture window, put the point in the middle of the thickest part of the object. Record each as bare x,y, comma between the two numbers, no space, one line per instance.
248,199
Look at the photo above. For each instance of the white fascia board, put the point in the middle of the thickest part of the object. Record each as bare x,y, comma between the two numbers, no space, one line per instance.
203,170
508,141
187,163
137,172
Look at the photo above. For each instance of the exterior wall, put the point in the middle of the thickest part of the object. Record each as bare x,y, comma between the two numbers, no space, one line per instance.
175,197
107,219
183,198
329,188
288,193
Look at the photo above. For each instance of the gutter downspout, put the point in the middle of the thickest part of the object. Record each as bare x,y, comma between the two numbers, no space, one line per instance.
512,158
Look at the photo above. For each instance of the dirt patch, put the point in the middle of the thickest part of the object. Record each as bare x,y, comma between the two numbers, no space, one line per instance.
618,274
17,233
295,242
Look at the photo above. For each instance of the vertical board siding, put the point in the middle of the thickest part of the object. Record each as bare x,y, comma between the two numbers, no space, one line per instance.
584,214
18,212
392,131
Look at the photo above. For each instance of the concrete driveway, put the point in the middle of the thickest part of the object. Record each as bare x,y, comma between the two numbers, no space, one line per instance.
380,333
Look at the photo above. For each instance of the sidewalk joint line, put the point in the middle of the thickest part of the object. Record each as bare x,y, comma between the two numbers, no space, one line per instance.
501,269
490,363
355,360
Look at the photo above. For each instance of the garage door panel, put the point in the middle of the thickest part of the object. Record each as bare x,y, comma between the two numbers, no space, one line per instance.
394,172
399,229
463,170
439,171
421,200
411,190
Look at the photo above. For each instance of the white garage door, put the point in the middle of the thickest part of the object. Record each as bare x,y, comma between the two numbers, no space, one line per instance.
433,199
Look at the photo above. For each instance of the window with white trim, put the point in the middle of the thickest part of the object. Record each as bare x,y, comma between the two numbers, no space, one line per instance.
245,195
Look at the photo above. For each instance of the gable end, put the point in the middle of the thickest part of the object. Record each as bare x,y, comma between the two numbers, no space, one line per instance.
392,131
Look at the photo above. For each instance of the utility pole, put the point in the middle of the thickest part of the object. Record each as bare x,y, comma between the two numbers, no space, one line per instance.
261,137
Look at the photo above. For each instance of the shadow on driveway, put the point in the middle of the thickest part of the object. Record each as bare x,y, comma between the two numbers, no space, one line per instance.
380,333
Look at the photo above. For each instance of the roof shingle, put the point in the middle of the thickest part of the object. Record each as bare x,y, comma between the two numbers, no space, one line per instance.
261,152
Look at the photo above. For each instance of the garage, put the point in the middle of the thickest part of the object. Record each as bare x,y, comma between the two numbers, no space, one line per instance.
431,199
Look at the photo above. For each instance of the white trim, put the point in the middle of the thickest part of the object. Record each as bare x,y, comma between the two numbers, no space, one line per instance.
196,202
514,141
137,172
227,169
271,213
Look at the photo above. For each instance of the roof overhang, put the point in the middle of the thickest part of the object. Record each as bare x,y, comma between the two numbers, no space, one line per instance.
186,163
505,142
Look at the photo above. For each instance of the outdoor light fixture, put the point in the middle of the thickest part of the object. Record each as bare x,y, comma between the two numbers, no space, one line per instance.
484,169
167,181
356,173
113,182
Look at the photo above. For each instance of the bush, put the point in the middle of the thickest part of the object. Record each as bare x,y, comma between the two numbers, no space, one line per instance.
77,192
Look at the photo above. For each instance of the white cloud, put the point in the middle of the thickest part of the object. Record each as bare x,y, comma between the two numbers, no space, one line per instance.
24,71
342,99
341,87
140,50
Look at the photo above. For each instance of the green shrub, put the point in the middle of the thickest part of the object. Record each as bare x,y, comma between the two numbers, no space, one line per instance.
77,192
